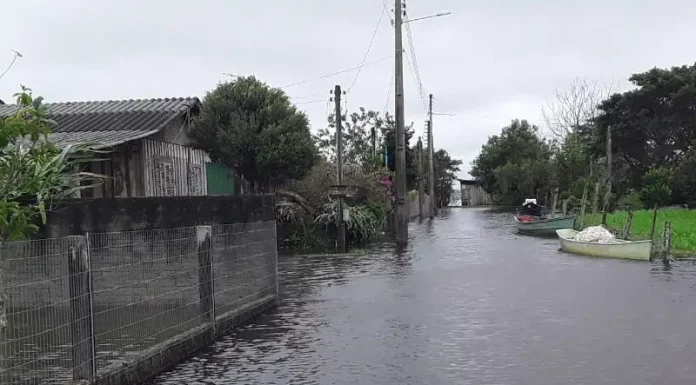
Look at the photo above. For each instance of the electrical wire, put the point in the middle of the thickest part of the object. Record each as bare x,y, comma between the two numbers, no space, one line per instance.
389,92
414,60
369,47
310,102
337,73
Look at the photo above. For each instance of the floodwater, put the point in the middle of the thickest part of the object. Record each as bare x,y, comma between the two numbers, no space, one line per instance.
469,302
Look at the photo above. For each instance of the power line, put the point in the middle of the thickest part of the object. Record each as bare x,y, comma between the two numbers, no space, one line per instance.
389,92
415,80
414,59
311,102
337,73
369,47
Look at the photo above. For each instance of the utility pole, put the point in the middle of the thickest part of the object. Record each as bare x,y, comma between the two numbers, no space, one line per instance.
341,236
421,182
401,222
431,166
373,138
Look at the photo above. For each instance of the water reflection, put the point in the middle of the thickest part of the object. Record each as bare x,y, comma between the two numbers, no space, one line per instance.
467,302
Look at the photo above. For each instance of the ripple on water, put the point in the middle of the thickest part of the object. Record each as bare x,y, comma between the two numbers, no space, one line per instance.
469,302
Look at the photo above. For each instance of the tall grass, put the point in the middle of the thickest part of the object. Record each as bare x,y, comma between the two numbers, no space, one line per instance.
683,226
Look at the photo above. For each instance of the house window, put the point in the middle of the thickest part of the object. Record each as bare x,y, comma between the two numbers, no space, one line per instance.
195,179
165,185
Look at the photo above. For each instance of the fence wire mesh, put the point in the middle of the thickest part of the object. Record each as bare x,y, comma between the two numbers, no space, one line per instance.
74,307
35,339
244,264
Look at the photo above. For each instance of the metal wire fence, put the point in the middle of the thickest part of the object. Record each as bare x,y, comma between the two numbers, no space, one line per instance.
72,308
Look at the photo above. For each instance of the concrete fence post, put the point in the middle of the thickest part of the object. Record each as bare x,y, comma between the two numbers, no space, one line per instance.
81,325
205,273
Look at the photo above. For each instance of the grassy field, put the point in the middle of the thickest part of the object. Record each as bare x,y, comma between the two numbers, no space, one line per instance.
683,227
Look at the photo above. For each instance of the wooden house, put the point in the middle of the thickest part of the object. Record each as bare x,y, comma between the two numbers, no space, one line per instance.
149,148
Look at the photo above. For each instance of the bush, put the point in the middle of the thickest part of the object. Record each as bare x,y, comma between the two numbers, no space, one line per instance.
365,222
656,190
631,202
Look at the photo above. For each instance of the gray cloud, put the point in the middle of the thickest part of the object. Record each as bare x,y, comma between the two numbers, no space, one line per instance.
489,62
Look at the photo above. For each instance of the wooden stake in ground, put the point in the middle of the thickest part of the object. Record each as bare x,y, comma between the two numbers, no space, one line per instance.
565,207
583,203
555,203
627,225
595,199
666,253
652,231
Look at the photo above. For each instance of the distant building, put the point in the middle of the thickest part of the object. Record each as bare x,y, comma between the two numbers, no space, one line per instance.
150,152
472,194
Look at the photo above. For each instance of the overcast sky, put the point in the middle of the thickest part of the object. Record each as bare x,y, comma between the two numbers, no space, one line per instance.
489,62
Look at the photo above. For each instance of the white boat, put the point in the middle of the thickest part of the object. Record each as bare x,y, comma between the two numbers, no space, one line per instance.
637,250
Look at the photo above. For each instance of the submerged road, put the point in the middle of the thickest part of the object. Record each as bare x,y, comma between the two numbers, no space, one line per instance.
470,302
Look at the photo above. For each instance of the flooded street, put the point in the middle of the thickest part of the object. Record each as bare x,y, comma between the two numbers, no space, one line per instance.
470,302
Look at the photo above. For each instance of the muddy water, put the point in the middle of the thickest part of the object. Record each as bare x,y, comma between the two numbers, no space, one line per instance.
470,302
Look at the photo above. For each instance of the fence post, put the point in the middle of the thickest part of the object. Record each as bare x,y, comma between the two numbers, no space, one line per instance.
275,260
81,324
205,273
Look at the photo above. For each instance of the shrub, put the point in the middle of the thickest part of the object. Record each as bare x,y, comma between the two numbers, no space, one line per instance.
631,202
656,188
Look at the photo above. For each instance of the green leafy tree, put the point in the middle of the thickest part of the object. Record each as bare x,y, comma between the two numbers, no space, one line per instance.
655,189
684,179
652,125
255,129
515,164
445,169
360,130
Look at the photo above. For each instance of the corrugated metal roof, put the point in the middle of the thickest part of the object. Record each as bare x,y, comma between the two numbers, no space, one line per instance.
112,122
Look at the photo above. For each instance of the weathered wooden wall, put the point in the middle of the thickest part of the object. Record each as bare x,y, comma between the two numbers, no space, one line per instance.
172,170
474,195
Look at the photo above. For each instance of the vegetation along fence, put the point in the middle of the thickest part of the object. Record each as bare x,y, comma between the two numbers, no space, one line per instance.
89,307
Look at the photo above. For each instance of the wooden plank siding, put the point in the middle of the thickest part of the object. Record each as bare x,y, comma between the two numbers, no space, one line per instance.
171,169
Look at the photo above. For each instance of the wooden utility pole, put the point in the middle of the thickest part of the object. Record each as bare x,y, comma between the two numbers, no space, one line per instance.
401,221
421,182
431,166
607,196
373,138
341,236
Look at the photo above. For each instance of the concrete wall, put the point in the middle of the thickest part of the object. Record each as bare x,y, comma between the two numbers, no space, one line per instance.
78,217
412,206
148,283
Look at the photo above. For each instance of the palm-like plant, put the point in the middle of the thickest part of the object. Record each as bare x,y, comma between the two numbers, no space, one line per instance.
33,171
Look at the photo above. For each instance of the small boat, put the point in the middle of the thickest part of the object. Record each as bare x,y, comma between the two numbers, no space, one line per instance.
637,250
531,208
532,225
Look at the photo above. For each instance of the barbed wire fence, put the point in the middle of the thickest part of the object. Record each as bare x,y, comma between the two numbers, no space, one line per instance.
80,306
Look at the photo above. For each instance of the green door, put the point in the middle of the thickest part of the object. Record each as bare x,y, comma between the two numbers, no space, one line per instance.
220,179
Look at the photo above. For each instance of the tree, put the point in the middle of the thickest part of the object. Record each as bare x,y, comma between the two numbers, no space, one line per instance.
359,131
515,164
255,129
653,125
445,169
572,164
574,106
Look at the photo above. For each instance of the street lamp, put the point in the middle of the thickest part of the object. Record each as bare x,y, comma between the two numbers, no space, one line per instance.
446,13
